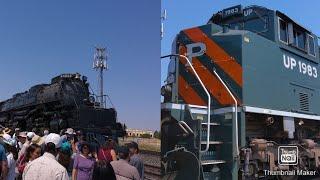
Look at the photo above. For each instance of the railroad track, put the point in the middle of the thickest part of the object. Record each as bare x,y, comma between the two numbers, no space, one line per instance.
152,165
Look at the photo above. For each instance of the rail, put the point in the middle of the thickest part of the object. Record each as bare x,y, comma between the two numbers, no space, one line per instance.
235,110
152,168
205,89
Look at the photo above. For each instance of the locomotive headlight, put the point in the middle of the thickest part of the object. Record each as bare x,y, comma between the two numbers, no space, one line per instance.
165,90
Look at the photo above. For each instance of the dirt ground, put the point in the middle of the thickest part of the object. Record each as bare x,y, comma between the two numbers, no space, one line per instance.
151,144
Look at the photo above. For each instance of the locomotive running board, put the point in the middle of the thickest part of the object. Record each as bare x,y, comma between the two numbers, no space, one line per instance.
202,110
251,109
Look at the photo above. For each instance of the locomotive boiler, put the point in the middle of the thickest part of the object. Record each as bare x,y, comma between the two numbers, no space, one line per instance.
65,102
242,99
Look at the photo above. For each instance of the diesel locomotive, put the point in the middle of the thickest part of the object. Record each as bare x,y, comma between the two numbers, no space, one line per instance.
65,102
242,99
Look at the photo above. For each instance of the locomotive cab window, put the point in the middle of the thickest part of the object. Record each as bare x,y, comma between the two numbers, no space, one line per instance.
283,31
257,25
311,45
299,39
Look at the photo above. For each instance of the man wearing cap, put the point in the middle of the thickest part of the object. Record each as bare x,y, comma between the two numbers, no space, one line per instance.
135,159
122,168
23,143
11,162
47,167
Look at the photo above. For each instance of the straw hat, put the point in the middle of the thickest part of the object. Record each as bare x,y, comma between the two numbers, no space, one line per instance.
6,131
37,140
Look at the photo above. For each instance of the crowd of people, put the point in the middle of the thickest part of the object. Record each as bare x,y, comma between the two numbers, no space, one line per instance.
64,156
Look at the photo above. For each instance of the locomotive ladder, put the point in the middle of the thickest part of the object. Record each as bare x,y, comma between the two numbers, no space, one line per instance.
207,157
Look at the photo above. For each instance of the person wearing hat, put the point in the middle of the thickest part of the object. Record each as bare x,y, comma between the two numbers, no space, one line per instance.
46,166
12,156
6,131
37,140
23,143
70,131
30,135
135,158
122,168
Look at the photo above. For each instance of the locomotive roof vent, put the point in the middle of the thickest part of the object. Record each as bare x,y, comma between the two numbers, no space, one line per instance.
304,101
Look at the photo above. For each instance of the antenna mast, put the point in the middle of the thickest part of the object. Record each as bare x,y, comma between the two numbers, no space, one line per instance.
163,18
100,64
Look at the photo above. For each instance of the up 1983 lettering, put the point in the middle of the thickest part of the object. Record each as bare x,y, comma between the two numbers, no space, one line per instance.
303,68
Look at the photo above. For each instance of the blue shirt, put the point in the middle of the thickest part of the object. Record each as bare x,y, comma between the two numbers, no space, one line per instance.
136,161
3,156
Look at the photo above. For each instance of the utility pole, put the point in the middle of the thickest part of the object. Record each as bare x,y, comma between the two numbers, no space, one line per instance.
100,64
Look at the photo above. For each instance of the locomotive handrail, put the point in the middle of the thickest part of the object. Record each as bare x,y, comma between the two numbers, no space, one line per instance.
205,89
186,126
184,129
235,109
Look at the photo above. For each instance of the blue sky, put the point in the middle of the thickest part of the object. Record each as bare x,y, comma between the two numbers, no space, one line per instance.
182,14
42,39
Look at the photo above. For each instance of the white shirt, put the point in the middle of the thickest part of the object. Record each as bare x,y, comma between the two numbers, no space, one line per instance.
45,167
23,148
11,167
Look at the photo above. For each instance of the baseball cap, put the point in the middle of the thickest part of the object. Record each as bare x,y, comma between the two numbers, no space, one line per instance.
54,138
30,135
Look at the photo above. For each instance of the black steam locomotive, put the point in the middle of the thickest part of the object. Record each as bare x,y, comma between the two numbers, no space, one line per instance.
65,102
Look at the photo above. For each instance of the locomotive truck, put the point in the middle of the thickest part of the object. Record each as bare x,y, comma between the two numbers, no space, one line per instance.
242,99
65,102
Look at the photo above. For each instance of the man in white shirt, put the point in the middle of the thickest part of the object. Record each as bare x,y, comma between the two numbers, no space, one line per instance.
11,162
47,167
23,143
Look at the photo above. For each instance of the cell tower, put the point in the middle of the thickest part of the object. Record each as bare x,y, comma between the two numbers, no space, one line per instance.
163,18
100,64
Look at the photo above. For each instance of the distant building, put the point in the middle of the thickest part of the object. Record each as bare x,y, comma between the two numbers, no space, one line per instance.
138,132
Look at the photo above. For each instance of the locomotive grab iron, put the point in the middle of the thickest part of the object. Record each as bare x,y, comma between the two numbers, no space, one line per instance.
242,99
65,102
